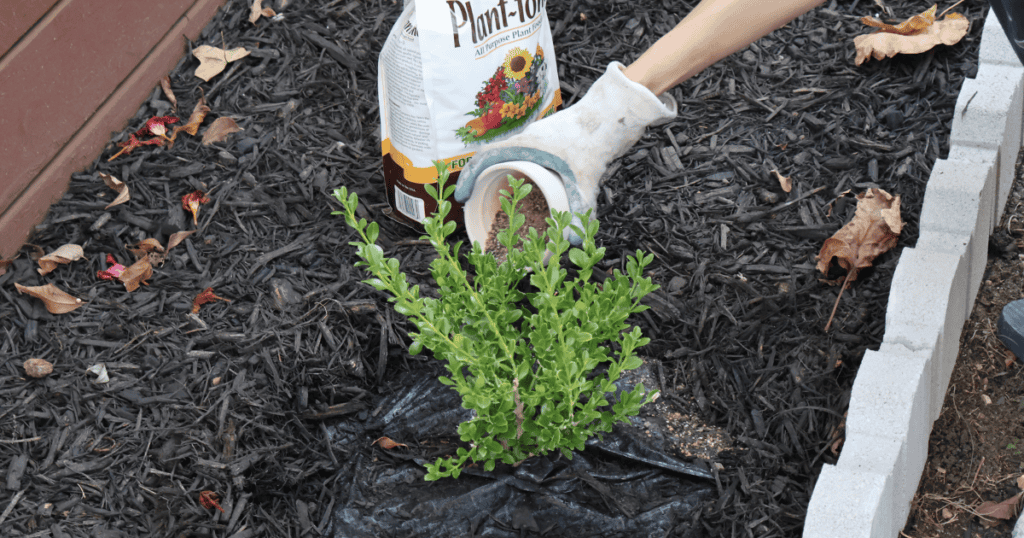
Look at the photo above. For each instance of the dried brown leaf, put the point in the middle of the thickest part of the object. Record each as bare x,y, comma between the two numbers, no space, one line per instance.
213,60
206,296
219,130
136,274
177,237
119,186
37,252
1005,510
64,254
387,444
882,44
165,85
257,10
54,299
194,121
875,226
910,26
785,182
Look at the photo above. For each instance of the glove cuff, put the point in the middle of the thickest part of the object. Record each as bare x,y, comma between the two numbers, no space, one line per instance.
649,109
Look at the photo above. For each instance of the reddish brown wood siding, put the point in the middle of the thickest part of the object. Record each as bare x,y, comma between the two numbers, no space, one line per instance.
74,76
18,16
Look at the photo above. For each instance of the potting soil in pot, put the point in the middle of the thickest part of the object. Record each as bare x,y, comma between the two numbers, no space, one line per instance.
534,207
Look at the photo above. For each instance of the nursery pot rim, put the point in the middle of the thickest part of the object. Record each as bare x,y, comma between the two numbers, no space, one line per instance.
485,202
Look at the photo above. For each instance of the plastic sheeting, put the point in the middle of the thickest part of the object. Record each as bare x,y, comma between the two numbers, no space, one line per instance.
621,485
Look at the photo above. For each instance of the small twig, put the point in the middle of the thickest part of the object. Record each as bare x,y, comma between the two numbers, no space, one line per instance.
968,104
950,7
840,296
978,471
16,441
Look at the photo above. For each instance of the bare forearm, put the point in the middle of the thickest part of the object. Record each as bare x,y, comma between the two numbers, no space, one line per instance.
712,31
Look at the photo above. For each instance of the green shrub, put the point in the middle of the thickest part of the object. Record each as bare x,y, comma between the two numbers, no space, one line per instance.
523,361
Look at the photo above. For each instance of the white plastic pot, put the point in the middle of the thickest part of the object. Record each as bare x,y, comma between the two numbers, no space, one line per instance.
485,202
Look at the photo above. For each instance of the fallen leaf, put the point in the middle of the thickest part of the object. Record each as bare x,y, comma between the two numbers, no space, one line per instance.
213,60
64,254
875,226
387,444
194,121
177,237
206,296
136,274
257,10
119,187
132,143
1007,509
918,34
101,372
219,130
113,272
209,500
54,299
1020,482
910,26
37,251
785,182
874,229
165,85
149,245
191,203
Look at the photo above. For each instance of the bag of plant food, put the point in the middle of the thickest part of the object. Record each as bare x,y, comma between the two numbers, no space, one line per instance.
454,75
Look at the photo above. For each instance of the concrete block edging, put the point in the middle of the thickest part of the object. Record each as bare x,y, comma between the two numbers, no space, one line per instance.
899,389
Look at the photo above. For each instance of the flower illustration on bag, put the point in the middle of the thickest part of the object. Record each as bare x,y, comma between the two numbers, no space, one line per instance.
517,63
509,98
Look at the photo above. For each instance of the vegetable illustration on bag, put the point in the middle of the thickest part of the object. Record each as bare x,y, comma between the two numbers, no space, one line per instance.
453,76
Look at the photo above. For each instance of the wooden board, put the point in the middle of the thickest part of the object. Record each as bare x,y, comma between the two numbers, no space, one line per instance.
51,129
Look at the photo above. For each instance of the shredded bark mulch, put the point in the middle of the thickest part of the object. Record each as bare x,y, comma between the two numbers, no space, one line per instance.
244,399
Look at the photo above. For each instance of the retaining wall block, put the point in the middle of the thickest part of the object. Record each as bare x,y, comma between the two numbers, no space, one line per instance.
887,424
850,504
995,48
960,244
988,115
960,201
974,163
927,305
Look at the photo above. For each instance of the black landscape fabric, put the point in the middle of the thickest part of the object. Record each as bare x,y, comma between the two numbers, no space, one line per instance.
272,401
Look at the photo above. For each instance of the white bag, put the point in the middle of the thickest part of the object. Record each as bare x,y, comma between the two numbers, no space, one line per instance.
454,75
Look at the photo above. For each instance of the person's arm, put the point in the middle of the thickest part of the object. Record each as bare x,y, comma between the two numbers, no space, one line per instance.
712,31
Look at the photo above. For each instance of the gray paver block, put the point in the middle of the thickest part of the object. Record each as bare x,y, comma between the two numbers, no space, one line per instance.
995,48
927,308
887,424
978,164
849,503
974,251
960,201
988,115
983,107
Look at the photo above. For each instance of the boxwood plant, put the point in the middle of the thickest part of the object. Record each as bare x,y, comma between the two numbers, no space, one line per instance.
524,357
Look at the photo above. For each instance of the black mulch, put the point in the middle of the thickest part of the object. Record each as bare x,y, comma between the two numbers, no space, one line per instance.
238,398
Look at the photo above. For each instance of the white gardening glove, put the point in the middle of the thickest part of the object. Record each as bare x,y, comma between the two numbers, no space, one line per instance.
579,142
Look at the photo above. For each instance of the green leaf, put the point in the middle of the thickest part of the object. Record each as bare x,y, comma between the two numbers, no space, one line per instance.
632,363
